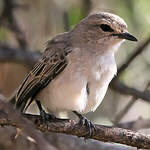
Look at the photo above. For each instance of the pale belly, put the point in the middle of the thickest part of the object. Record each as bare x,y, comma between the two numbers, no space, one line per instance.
64,95
74,91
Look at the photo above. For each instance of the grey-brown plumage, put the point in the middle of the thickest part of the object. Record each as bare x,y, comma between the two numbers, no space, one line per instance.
76,67
53,61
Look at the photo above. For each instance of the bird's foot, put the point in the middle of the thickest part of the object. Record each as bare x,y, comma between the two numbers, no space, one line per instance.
88,124
46,118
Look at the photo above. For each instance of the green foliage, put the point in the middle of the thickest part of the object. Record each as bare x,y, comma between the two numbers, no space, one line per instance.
136,13
75,15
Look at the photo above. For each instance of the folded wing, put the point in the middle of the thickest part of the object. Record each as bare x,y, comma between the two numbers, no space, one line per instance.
51,64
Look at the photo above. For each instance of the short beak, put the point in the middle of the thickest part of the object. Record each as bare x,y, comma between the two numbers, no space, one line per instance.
126,36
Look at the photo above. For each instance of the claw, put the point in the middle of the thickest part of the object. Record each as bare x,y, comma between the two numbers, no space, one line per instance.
46,118
88,124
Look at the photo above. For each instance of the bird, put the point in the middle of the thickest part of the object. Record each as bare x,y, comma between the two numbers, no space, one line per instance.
75,69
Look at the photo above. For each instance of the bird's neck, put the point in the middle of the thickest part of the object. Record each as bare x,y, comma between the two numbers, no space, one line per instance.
101,49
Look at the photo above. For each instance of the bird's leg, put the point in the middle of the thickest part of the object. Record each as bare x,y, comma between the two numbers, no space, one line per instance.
45,116
87,123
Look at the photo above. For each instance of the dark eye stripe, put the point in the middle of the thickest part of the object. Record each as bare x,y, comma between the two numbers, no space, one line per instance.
106,28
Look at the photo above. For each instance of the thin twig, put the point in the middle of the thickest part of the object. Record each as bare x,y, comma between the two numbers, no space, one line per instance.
124,111
138,124
11,54
66,21
7,19
86,7
126,90
136,52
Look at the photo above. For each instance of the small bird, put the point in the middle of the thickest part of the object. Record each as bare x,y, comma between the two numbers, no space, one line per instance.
76,68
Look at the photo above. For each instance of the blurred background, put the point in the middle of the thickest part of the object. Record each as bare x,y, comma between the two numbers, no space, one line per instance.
30,23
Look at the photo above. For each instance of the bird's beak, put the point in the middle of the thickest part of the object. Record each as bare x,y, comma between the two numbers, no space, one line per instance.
126,36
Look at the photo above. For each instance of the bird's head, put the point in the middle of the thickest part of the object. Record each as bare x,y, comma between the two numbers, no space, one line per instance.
102,30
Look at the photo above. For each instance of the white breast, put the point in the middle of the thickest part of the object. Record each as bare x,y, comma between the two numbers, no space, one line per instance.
104,72
69,90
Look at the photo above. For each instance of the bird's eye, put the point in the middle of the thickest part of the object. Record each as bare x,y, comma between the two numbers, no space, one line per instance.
106,28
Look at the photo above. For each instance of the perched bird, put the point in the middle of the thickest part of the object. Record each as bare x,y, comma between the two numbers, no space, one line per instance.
76,68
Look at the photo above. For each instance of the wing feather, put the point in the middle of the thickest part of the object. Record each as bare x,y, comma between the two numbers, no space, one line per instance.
46,69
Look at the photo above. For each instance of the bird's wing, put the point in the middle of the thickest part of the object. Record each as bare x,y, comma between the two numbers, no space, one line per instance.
52,62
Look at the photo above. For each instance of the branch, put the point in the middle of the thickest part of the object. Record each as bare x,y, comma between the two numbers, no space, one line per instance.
124,111
8,116
138,124
66,21
124,89
10,54
7,19
71,127
137,52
